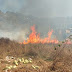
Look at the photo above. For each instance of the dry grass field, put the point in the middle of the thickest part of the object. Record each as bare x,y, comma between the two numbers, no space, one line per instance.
48,57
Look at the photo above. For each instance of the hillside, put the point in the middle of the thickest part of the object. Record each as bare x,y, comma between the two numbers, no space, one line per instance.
17,26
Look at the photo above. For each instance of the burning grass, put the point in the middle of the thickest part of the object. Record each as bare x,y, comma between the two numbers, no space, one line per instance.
35,38
49,57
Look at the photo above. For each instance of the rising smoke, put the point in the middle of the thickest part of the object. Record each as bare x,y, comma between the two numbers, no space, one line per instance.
17,26
18,16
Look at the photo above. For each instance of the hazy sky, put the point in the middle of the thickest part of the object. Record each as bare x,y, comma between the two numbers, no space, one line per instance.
42,8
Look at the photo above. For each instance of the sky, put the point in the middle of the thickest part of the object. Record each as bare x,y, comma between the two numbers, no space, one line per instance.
39,8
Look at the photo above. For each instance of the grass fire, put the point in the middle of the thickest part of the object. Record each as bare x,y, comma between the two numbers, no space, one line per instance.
37,55
35,38
35,35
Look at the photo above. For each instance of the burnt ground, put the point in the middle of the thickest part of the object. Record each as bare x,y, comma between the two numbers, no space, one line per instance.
49,57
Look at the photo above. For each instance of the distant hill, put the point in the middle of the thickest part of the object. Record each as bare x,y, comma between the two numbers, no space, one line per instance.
18,25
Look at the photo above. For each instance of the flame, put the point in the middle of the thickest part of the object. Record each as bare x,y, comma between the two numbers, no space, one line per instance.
68,41
35,38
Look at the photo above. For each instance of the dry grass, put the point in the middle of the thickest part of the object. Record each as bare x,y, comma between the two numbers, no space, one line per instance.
52,57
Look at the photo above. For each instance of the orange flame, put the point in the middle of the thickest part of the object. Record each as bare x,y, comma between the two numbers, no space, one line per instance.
68,41
35,38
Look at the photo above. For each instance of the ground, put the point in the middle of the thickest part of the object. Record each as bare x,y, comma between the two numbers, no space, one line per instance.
45,57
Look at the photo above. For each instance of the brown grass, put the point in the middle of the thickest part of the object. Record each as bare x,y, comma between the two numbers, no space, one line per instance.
53,57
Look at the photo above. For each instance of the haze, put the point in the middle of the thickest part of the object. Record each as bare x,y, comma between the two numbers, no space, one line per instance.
16,17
